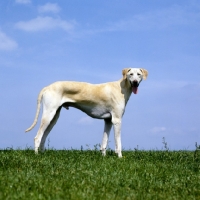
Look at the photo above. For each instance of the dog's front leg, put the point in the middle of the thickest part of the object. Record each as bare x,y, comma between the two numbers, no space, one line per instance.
107,128
117,132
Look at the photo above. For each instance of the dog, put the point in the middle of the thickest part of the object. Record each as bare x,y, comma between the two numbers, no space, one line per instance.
102,101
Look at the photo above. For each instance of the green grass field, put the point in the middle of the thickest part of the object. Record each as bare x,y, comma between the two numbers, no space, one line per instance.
85,174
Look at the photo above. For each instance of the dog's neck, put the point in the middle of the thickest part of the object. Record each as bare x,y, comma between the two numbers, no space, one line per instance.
125,89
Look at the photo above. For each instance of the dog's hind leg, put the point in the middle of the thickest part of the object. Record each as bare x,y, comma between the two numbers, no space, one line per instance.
107,128
51,110
49,128
45,122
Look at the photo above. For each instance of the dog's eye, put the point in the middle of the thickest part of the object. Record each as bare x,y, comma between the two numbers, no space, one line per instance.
138,74
131,74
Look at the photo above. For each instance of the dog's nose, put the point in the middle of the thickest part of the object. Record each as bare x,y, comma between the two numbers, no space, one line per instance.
135,83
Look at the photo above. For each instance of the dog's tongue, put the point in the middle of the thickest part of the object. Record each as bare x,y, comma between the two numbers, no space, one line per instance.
135,90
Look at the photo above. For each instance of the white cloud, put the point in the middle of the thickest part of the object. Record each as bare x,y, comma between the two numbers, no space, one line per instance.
7,43
153,20
49,7
85,121
166,84
23,1
158,129
162,19
45,23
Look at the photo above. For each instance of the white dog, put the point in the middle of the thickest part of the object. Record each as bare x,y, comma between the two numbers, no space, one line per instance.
102,101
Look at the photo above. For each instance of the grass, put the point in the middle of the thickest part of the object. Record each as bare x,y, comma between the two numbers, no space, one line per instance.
85,174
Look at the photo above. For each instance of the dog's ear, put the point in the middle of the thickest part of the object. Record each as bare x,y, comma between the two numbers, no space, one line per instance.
124,72
144,73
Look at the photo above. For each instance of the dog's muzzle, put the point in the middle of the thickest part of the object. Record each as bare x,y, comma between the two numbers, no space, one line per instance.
134,85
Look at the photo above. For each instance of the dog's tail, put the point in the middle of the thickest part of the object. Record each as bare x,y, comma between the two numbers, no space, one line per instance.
38,110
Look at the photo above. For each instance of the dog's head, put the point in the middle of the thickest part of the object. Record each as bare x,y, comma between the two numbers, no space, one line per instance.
134,76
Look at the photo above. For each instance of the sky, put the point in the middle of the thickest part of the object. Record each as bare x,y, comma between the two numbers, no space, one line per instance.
44,41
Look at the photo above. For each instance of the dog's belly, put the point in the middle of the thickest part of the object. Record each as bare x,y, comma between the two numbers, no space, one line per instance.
99,112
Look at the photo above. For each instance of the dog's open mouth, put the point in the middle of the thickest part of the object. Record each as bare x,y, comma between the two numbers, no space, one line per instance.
135,85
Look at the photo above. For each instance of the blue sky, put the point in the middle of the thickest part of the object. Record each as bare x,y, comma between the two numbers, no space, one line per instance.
46,41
